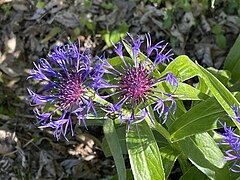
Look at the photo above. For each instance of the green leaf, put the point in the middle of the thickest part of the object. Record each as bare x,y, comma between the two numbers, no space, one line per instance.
202,86
106,38
160,139
222,75
217,29
167,20
115,36
128,49
209,148
232,61
144,155
107,5
193,174
221,41
201,118
94,122
169,156
129,175
221,93
184,91
183,68
77,31
83,21
203,152
184,163
50,35
88,4
158,127
172,117
91,25
121,133
235,87
40,4
235,175
113,142
123,29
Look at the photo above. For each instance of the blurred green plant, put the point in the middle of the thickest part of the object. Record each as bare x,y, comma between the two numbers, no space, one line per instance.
184,4
108,5
88,4
40,4
153,1
232,63
115,35
6,8
53,32
232,6
168,19
221,40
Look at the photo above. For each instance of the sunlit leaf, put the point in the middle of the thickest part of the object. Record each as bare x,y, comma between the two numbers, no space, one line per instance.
50,35
204,153
200,118
169,156
232,62
193,174
186,69
114,145
144,154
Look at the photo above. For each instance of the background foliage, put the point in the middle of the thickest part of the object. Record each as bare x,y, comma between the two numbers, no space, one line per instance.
183,148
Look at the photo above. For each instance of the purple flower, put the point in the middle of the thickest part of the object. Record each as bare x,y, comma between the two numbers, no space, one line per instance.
233,141
67,86
236,117
134,83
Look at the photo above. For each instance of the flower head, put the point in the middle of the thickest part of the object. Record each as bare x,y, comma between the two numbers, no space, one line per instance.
134,81
66,85
233,141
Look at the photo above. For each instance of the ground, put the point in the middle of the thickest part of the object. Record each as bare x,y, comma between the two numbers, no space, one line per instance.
29,29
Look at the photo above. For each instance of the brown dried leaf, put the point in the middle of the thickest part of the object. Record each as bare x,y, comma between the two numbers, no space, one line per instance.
68,19
47,168
8,140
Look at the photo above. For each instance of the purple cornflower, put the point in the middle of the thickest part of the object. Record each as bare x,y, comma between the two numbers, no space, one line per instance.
135,85
236,117
233,141
66,85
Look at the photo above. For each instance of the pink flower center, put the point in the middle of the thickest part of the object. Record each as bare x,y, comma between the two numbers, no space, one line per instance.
71,90
136,84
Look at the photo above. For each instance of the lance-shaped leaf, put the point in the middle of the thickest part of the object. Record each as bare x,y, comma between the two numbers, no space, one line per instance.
204,153
144,154
201,118
169,156
232,62
114,145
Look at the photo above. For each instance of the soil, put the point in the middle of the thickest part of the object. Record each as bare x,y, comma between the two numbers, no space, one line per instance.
30,29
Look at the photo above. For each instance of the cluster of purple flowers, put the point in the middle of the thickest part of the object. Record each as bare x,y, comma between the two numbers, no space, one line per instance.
70,79
232,140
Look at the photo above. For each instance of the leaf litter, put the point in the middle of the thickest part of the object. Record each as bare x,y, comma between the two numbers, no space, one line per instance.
30,28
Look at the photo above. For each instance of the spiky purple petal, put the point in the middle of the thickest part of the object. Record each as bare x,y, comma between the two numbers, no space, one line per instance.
233,141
